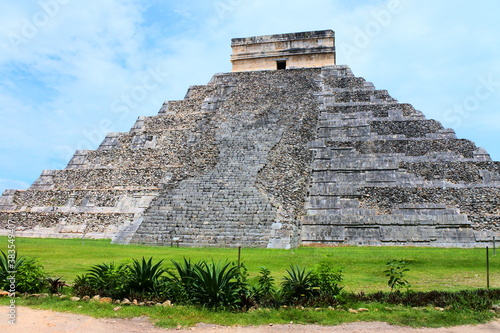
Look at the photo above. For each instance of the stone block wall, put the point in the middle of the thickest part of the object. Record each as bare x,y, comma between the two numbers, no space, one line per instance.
105,191
312,49
383,174
272,159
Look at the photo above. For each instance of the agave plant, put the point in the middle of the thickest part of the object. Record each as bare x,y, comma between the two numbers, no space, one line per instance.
9,265
299,283
186,272
82,286
181,283
215,285
109,279
144,275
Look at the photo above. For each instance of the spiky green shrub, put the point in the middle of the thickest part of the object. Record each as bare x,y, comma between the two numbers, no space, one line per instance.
215,285
82,286
9,264
108,279
144,276
55,284
299,285
178,286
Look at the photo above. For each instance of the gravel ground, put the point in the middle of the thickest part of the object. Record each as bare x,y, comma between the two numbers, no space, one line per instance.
42,321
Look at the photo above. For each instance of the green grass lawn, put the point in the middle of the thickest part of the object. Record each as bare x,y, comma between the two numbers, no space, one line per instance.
430,268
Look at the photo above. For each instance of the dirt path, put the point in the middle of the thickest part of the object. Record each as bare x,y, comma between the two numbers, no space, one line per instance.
41,321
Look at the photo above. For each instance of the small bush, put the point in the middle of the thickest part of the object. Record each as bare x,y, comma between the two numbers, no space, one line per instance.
265,286
247,294
215,285
300,285
30,277
109,280
144,276
55,285
328,279
82,286
395,272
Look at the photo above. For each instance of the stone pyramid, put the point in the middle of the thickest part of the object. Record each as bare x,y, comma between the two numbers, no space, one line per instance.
287,149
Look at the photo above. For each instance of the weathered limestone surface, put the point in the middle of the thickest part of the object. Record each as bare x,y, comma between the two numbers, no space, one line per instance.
311,49
101,193
255,193
384,175
272,159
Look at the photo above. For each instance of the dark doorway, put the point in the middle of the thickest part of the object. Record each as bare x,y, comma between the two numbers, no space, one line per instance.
281,64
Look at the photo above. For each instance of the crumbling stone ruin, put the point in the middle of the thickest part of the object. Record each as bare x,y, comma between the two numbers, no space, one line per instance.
287,149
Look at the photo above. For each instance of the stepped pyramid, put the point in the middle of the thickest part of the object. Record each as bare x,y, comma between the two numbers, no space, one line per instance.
287,149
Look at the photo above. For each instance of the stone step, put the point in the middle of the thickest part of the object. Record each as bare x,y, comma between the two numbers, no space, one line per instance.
64,222
83,199
175,156
362,95
394,111
199,92
133,179
366,217
390,235
455,171
346,82
361,164
172,121
408,128
410,147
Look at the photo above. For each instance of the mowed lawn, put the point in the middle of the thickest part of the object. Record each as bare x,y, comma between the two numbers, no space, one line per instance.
430,268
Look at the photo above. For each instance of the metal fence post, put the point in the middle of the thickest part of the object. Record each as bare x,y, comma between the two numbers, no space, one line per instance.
487,268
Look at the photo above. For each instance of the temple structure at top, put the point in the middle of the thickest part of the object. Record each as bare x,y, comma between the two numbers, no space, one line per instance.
312,49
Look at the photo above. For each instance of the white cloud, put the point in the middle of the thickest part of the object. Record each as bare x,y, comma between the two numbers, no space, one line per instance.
91,54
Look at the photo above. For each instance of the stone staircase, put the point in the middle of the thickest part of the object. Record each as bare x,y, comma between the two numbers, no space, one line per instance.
371,151
271,159
230,205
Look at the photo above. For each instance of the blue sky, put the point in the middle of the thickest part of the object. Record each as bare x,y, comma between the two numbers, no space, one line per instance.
71,71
